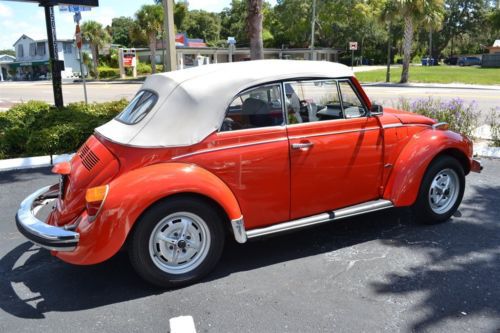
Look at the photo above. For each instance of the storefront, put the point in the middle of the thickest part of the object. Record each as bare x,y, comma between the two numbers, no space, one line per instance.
30,70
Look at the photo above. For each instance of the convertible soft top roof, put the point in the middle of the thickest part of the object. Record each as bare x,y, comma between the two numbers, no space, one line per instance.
192,102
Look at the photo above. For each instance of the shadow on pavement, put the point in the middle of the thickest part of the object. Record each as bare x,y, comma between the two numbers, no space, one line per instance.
34,283
460,276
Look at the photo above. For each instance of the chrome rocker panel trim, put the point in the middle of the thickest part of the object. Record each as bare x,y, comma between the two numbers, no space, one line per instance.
37,231
241,235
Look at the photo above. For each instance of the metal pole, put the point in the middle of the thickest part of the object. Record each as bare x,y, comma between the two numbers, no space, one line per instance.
352,60
168,23
83,76
313,25
388,73
53,54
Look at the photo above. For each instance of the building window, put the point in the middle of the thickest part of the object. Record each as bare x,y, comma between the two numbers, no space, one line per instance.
20,51
40,49
32,49
67,47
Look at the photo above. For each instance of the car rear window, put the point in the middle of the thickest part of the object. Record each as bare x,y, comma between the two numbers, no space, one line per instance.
138,108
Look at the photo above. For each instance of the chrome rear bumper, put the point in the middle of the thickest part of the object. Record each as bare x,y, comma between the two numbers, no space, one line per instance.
37,231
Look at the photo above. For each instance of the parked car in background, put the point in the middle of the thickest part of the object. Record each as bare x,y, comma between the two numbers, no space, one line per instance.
469,61
451,60
273,146
429,62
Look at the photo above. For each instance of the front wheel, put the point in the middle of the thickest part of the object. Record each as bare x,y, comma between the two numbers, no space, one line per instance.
441,191
177,242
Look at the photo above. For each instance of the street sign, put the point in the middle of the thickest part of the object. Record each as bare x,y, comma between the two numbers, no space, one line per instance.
231,40
353,46
74,8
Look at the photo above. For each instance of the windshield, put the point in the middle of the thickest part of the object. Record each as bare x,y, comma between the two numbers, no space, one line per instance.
138,108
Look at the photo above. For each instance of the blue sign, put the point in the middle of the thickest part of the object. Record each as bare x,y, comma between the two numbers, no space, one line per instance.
74,8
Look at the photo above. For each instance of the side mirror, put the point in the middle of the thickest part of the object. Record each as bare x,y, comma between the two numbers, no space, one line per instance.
376,110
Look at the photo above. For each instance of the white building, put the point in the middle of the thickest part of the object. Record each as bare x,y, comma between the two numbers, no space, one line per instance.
5,60
32,58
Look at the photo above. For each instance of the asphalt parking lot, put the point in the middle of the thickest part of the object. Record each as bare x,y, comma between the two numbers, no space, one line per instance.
380,272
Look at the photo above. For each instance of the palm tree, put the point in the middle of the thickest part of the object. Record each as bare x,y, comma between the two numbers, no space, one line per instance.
94,33
412,12
387,15
149,21
254,25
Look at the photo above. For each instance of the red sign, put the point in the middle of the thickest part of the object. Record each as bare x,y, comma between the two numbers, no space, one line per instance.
128,60
78,37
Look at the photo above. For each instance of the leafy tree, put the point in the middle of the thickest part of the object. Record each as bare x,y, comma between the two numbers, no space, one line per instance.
149,24
413,12
120,30
254,25
97,37
202,24
8,52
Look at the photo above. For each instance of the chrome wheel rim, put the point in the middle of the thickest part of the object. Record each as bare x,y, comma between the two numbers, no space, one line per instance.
179,243
443,192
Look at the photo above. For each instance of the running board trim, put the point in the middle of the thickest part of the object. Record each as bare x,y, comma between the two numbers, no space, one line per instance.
241,235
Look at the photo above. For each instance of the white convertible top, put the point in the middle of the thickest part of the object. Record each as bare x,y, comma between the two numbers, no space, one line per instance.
192,102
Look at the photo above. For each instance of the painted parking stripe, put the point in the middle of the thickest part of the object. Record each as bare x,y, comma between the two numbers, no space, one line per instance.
182,324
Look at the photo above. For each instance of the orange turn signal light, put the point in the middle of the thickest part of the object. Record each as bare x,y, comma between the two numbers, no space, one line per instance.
96,194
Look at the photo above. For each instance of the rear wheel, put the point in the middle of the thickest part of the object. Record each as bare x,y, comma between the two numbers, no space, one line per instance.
177,242
441,191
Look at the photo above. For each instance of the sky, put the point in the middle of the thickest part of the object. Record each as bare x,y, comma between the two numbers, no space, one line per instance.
18,18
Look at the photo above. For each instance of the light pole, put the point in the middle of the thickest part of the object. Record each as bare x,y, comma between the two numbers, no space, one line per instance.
313,25
168,26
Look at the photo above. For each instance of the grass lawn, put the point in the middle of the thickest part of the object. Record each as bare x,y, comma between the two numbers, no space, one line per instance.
437,74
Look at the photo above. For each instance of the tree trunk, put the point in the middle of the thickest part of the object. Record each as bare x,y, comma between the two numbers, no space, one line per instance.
407,44
95,61
152,47
254,24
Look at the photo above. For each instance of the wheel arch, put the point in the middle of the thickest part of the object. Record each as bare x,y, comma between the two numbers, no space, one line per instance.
131,194
414,160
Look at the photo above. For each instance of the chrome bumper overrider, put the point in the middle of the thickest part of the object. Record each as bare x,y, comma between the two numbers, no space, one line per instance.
476,166
40,233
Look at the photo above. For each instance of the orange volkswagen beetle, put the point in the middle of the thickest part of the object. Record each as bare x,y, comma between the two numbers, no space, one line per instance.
247,149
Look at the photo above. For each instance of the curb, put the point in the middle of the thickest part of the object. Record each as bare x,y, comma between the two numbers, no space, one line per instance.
431,85
33,162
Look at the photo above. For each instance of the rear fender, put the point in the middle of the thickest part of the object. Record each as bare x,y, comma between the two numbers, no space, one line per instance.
131,194
409,168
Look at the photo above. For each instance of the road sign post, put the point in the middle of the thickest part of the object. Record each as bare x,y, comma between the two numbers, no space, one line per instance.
78,37
353,46
55,64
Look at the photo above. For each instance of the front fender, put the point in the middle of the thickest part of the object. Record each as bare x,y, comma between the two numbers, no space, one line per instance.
408,170
131,194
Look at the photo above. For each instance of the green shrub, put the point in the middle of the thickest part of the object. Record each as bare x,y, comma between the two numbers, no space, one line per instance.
108,72
461,117
495,127
36,128
143,68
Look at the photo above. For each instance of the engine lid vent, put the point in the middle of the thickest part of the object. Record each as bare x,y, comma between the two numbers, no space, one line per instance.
89,159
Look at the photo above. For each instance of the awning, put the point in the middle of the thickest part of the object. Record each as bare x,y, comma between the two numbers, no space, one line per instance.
17,64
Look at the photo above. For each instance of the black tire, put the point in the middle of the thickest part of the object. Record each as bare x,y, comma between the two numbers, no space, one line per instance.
157,271
423,209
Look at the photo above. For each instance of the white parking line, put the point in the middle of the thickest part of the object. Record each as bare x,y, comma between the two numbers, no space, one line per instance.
182,324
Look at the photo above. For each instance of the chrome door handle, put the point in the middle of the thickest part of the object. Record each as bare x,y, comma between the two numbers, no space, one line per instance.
302,145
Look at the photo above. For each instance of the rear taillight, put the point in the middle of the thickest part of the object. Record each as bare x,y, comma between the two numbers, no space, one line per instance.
94,199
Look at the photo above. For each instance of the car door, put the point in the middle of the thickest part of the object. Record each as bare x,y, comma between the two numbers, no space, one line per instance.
250,154
336,149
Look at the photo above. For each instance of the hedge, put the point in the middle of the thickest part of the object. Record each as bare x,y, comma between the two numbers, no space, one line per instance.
37,128
108,72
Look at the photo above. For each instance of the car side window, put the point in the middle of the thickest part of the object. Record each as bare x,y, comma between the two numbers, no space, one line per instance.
312,100
254,108
352,105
